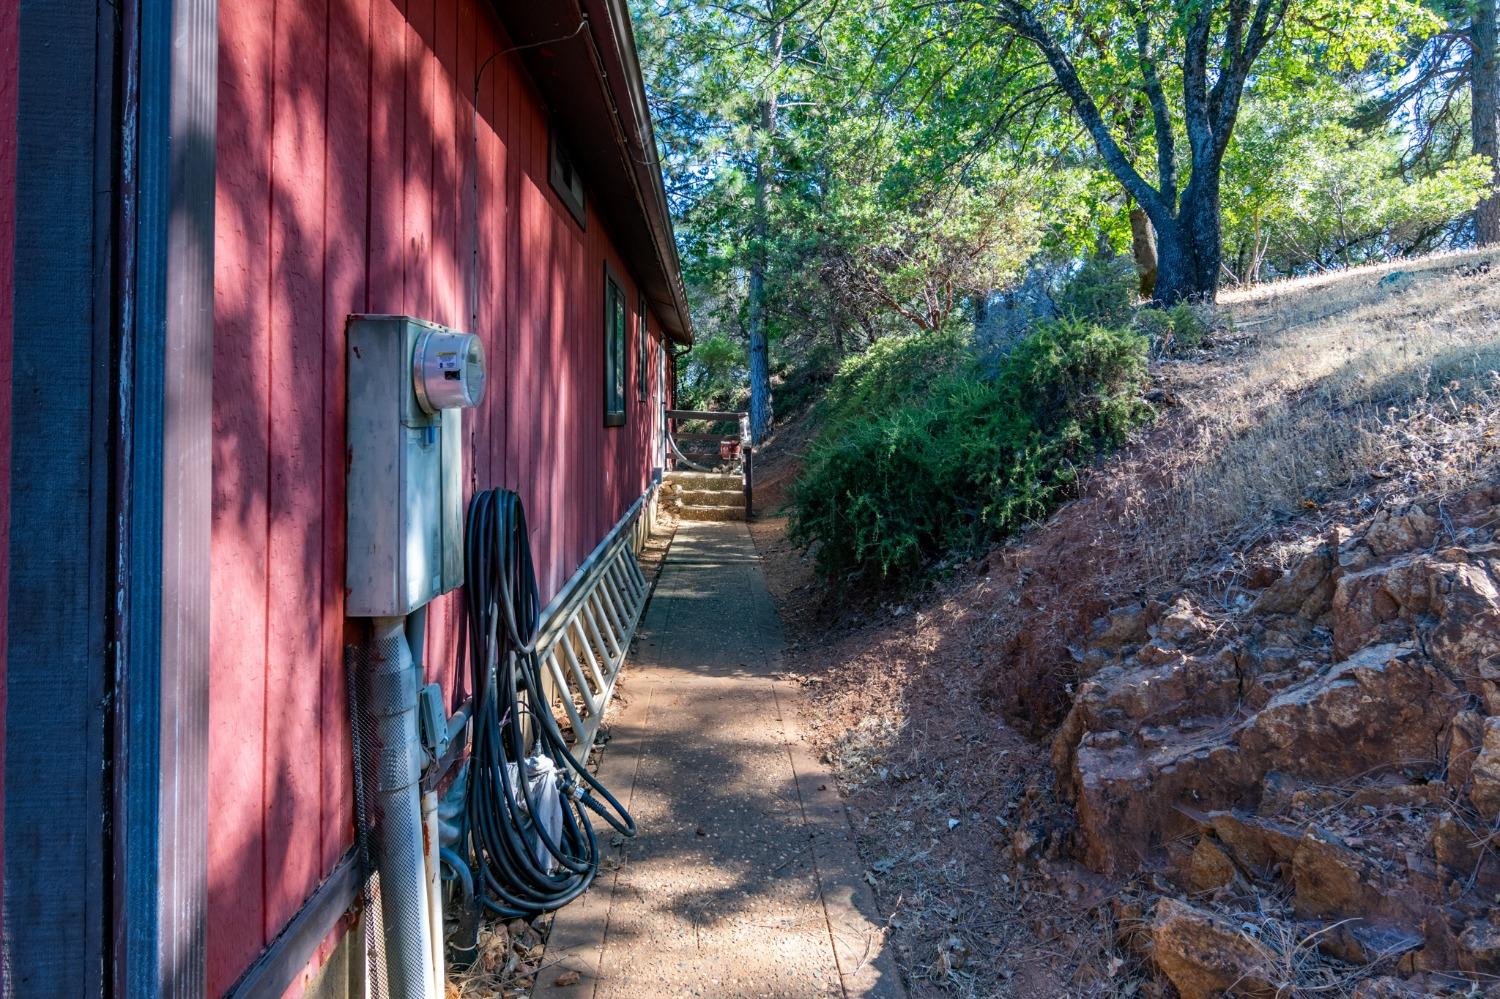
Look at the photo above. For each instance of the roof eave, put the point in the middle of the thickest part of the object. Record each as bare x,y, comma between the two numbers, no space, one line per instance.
583,60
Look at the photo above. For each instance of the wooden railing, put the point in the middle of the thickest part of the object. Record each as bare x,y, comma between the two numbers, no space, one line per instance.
740,458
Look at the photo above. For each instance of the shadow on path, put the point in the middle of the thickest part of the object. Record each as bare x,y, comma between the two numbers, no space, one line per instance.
744,880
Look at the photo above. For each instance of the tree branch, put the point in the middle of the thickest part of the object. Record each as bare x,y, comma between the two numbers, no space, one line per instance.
1230,87
1195,87
1166,153
1021,20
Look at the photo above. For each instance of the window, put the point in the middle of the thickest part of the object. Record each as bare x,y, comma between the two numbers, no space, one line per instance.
641,350
614,352
565,180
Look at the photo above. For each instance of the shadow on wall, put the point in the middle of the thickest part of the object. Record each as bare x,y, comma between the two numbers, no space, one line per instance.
348,182
343,166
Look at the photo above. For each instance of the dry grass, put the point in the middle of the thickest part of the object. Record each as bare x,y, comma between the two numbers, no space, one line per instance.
510,956
1318,385
1333,391
1335,290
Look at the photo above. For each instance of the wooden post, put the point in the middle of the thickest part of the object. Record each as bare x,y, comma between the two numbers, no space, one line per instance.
747,445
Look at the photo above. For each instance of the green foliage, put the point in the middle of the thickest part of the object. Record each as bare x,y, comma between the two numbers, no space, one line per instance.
947,458
915,249
876,220
801,384
1102,290
1184,326
892,373
1078,381
713,375
1085,215
1304,189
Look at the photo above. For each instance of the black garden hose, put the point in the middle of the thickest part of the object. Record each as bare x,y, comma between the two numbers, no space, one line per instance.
511,724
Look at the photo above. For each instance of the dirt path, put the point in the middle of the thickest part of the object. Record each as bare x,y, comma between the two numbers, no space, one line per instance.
743,881
935,782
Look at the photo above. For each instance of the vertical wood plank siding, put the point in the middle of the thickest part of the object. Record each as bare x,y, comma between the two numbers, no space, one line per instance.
58,404
10,52
348,182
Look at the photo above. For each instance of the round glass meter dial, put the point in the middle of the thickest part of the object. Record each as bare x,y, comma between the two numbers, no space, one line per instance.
448,370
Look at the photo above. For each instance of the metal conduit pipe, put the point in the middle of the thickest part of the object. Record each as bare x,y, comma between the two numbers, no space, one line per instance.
391,686
416,641
433,869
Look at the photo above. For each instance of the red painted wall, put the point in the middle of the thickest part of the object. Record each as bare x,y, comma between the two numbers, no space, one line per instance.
348,182
10,51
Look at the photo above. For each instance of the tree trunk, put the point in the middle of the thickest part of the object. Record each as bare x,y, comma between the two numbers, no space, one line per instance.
1188,252
1188,248
761,412
760,349
980,300
1143,244
1485,116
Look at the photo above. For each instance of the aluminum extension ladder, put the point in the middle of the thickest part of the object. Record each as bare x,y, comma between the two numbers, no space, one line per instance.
585,640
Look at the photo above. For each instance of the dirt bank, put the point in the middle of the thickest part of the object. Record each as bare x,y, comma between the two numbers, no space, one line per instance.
1322,409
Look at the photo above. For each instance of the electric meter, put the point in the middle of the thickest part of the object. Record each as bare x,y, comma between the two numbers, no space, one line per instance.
448,370
409,382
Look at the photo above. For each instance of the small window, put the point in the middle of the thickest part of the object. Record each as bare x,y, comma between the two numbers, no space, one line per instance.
641,350
614,352
565,180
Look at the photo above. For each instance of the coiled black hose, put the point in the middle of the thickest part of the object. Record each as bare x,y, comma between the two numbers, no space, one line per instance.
511,723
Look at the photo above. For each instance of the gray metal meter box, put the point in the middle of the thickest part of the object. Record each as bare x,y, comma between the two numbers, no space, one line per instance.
405,461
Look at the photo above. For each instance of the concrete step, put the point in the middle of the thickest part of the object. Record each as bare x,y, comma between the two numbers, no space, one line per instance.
694,511
710,497
704,480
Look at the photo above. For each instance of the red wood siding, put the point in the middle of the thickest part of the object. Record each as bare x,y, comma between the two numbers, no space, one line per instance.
10,50
348,182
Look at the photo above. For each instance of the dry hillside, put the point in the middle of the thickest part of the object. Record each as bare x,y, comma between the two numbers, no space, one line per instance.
1230,719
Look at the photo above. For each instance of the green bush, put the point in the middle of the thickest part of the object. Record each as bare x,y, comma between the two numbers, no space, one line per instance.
894,370
953,458
1102,290
1184,326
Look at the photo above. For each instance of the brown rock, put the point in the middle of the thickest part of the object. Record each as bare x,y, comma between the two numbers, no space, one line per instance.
1121,626
1455,846
1479,948
1401,795
1356,941
1259,576
1404,531
1183,624
1258,845
1465,735
1475,506
1485,774
1384,707
1331,881
1133,785
1379,604
1159,685
1386,987
1209,867
1126,798
1205,956
1465,599
1355,559
1455,600
1132,930
1292,590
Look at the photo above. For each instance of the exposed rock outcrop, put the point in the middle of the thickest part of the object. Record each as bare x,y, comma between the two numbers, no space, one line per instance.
1332,741
1205,956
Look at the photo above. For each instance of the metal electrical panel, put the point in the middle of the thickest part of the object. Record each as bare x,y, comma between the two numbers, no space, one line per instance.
405,462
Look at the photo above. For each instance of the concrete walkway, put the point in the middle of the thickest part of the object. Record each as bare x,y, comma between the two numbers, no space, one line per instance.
743,880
